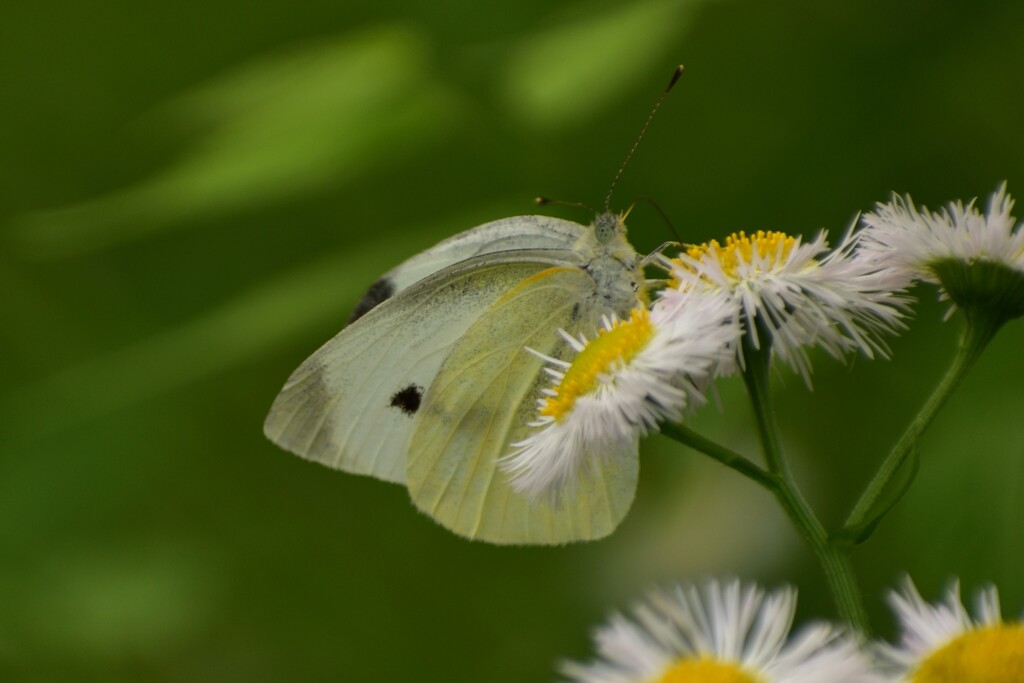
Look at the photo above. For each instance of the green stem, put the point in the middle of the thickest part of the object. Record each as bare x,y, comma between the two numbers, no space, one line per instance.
976,336
833,557
716,451
834,561
757,377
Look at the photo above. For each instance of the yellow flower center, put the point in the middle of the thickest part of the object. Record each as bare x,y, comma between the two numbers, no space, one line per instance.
706,670
613,347
994,654
741,248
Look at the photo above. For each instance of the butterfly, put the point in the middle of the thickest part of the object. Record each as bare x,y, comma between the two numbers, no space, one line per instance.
430,382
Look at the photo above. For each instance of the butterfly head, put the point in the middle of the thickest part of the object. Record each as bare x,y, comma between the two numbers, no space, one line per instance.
608,225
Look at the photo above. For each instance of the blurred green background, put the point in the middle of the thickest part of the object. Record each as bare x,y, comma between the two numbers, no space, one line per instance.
193,195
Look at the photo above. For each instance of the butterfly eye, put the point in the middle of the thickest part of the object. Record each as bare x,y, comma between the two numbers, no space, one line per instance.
606,226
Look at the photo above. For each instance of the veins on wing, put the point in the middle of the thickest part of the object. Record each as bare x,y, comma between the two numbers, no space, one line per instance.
502,374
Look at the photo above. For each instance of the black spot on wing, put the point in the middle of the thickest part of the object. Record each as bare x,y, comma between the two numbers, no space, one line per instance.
379,292
408,399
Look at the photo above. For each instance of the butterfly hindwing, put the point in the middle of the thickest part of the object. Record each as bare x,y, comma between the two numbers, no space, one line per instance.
482,399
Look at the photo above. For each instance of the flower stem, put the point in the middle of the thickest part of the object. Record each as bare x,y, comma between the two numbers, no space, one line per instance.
716,451
977,333
834,557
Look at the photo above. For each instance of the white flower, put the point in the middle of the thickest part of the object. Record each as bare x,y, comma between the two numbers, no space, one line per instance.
722,633
942,643
801,294
632,375
913,240
977,259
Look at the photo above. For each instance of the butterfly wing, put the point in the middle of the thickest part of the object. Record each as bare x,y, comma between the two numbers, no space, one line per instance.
351,405
483,398
507,234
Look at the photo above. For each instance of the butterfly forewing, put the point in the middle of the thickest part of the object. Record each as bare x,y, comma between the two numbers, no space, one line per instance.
507,234
351,405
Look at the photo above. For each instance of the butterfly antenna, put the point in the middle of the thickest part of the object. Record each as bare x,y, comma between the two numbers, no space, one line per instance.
661,212
541,201
647,123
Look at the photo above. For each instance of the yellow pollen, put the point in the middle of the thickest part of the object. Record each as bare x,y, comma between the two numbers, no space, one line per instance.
705,670
993,654
741,248
611,348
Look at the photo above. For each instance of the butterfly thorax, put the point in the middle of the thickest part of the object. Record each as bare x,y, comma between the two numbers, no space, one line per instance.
613,264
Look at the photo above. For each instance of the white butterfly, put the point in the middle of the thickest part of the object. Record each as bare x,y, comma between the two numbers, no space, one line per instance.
430,382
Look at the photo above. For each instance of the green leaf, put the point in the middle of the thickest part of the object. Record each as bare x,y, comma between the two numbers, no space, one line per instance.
858,531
